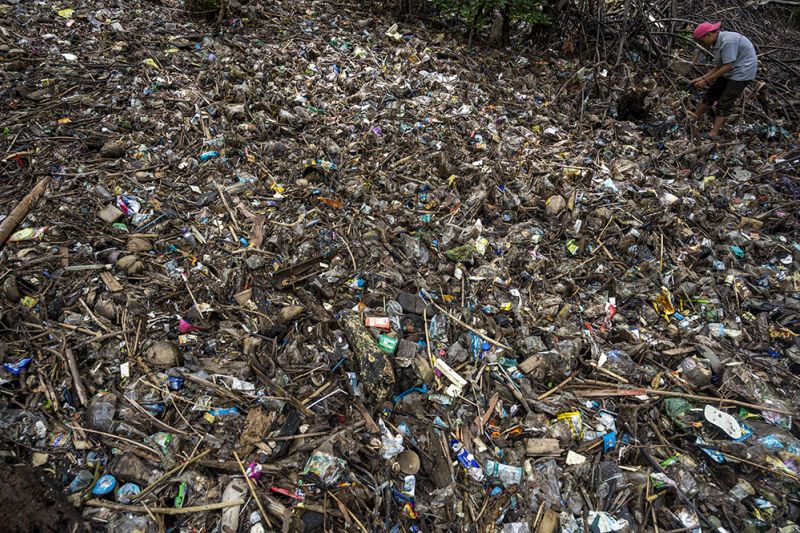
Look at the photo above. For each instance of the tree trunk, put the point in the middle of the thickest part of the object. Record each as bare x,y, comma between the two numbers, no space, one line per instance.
496,33
403,8
507,24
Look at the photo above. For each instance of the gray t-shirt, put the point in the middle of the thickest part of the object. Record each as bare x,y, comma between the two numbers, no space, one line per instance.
732,47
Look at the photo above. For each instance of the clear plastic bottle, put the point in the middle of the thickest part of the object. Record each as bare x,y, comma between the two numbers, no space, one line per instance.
100,414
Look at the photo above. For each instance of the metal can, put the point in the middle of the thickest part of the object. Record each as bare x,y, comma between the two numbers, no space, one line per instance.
175,383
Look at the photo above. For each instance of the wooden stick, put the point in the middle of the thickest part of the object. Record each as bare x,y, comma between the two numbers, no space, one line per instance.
608,372
152,516
104,337
587,393
162,425
166,476
21,210
347,509
473,330
751,463
481,420
230,211
252,489
163,510
76,376
123,439
554,389
431,360
352,258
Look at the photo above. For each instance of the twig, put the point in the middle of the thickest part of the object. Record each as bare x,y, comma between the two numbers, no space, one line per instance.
428,343
123,439
300,218
473,330
587,393
352,515
76,376
156,421
104,337
554,389
149,512
252,489
228,207
164,510
757,465
353,259
608,372
191,294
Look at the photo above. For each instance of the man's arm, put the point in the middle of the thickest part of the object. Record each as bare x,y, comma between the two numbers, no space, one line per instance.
717,72
711,76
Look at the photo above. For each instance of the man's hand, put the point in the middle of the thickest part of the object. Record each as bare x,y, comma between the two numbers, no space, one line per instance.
699,83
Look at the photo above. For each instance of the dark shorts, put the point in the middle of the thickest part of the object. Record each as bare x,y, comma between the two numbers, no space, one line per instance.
724,92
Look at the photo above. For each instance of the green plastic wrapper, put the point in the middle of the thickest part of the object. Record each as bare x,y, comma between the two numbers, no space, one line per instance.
374,369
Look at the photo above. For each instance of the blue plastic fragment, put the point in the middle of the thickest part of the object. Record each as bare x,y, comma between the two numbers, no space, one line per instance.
16,368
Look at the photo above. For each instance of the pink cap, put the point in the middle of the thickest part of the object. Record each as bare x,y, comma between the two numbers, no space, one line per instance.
705,28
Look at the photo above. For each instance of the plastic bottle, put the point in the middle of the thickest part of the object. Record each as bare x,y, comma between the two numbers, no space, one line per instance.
508,475
236,490
81,481
467,460
100,414
255,523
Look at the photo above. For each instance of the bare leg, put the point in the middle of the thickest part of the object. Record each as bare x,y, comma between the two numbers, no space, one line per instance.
700,111
718,122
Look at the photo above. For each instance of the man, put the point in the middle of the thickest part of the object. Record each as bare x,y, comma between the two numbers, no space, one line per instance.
736,66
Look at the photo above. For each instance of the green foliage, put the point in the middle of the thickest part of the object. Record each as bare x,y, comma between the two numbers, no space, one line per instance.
202,6
530,11
476,15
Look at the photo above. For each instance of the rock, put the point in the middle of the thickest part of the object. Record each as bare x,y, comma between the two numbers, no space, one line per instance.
289,313
332,148
668,199
11,290
130,264
411,303
129,468
254,262
441,164
276,149
39,95
164,354
684,68
106,309
109,214
555,204
123,263
137,245
406,349
457,353
112,150
243,297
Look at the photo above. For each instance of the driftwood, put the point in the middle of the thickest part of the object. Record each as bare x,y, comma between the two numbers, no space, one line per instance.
21,210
